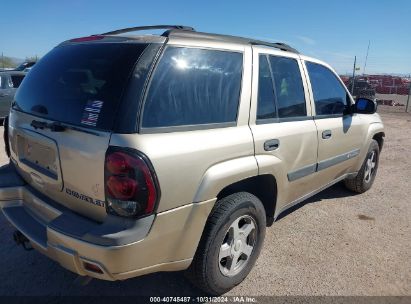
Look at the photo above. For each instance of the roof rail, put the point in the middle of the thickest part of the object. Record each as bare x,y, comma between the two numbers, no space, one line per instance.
278,45
150,27
188,30
221,37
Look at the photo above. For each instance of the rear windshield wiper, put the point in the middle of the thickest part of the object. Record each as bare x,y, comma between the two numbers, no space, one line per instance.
54,126
58,127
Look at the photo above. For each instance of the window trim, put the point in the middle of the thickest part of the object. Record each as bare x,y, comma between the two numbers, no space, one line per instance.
262,121
184,128
349,99
325,116
283,119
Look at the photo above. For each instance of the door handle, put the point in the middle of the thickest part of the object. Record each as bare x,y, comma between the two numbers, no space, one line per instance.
271,144
327,134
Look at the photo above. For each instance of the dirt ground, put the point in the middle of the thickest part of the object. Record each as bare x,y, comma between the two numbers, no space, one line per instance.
336,243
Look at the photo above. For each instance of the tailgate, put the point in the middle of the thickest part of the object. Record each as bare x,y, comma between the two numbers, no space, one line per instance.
64,166
62,117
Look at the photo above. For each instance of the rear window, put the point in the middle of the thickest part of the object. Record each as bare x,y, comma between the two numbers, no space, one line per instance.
79,84
194,87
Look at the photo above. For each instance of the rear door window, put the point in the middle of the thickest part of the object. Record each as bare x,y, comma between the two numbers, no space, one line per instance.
192,86
289,87
79,84
280,90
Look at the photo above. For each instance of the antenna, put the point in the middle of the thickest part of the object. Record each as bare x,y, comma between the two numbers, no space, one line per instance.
366,57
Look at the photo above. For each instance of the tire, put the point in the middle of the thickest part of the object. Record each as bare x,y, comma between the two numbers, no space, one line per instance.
222,243
6,135
366,176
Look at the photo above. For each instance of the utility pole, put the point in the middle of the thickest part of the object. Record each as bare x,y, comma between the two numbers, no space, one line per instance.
353,76
2,59
408,99
366,57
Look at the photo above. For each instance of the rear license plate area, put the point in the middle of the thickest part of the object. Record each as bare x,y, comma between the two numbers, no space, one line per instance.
38,156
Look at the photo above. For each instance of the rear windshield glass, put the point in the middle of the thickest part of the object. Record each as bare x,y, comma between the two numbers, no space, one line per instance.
79,84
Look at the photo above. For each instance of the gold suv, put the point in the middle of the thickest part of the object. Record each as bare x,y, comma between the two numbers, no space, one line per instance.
133,154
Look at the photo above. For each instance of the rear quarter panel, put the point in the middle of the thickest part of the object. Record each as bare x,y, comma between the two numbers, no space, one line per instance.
193,166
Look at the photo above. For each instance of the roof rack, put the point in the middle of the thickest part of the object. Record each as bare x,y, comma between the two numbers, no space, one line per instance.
277,45
151,27
191,32
235,39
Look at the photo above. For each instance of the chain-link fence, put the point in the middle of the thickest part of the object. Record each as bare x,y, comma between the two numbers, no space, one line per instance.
387,90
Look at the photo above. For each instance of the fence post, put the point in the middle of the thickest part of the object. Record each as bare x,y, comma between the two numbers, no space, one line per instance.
408,99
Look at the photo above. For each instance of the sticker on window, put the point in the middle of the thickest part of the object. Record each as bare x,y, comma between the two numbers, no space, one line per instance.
91,113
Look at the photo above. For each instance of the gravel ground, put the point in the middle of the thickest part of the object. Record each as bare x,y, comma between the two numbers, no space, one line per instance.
336,243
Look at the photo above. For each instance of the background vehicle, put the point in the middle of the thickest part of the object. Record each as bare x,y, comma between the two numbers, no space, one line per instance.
25,65
136,154
9,82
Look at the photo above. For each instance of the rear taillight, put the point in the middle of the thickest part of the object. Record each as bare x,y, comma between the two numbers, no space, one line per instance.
130,183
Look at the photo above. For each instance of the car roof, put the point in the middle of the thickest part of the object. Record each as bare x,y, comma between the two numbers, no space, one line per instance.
186,32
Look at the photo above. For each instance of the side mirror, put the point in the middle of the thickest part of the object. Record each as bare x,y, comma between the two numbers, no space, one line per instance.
365,106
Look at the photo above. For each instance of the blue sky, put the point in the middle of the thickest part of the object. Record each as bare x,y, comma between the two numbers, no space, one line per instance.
334,31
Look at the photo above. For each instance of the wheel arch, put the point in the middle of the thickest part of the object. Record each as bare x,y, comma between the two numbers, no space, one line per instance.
379,137
376,132
264,187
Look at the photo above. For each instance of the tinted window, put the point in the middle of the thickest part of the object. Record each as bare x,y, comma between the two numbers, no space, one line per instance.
16,80
79,84
193,86
288,87
266,107
330,96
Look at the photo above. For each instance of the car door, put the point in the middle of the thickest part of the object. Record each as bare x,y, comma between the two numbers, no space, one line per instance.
6,94
284,132
339,131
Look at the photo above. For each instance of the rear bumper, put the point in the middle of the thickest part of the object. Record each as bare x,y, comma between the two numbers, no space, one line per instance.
120,248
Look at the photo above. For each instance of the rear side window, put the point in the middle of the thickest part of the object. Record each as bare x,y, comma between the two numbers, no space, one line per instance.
193,86
330,96
80,84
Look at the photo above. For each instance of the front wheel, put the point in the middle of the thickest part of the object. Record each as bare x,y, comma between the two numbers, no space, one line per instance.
365,177
230,244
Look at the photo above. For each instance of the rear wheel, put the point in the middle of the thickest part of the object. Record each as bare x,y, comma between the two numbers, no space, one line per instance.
365,177
230,244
